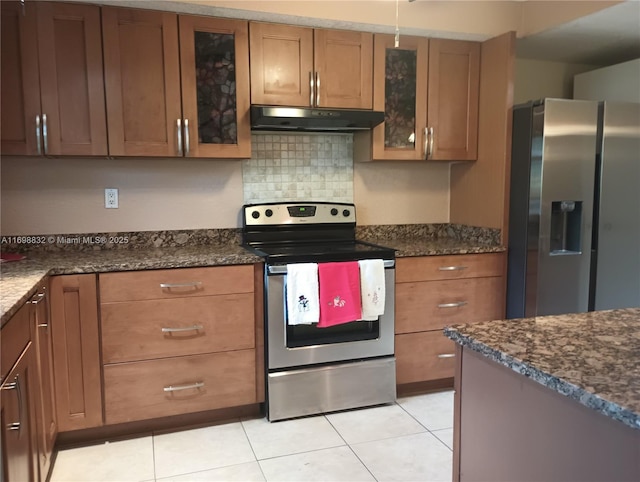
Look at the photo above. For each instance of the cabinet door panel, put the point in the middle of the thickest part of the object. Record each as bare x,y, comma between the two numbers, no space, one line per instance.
423,357
431,305
142,81
20,99
158,388
454,82
76,351
19,462
281,63
344,63
70,51
400,90
214,63
134,330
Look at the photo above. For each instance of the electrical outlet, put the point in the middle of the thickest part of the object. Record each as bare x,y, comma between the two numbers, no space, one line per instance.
111,198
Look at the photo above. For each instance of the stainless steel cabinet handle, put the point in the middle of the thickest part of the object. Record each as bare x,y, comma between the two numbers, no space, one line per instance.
15,385
447,355
178,330
431,136
24,10
186,137
38,141
426,143
311,89
452,268
457,304
179,131
45,136
177,388
37,298
317,89
278,269
188,284
13,426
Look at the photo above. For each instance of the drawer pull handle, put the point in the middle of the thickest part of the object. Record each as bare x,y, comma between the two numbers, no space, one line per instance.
178,330
452,268
457,304
177,388
13,426
447,355
188,284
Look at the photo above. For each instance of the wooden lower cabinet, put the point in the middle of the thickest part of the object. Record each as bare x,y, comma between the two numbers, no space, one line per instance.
179,341
436,291
18,404
173,386
424,356
46,420
76,351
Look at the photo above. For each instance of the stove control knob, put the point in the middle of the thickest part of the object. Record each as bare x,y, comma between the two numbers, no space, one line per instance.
269,213
334,212
346,213
255,214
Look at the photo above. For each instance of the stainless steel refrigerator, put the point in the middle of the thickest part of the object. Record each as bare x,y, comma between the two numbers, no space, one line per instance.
574,219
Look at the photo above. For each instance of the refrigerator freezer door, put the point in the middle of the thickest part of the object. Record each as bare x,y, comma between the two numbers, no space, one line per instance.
562,175
618,243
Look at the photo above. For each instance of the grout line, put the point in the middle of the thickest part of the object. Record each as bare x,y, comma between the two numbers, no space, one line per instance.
153,453
252,449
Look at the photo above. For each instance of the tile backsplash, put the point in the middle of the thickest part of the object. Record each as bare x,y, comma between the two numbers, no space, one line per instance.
299,167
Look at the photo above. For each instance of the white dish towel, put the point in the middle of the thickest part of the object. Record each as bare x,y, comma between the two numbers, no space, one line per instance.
303,299
372,288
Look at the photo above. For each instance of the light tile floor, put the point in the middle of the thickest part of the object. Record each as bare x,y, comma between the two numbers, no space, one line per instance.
410,440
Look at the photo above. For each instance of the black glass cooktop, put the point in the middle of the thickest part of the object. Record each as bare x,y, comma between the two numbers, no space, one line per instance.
279,253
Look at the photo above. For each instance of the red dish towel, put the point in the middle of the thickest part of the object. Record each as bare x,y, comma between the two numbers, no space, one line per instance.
339,293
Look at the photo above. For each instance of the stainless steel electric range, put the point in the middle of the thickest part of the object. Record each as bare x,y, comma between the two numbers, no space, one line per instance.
310,369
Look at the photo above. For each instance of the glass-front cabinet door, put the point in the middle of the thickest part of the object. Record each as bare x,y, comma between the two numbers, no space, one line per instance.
400,90
214,67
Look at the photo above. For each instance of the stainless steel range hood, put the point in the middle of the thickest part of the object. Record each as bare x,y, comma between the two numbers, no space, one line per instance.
313,119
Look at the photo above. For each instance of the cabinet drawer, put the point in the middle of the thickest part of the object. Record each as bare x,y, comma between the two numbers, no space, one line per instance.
424,356
15,336
141,330
175,283
426,268
432,305
142,390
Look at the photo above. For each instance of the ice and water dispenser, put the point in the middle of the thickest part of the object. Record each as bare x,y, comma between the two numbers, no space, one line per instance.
566,228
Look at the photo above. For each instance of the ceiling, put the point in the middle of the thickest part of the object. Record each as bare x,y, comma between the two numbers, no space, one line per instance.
607,37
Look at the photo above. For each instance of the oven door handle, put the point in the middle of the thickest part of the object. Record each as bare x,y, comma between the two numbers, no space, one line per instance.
282,269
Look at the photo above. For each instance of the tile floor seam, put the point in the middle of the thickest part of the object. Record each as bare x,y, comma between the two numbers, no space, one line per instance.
439,439
409,413
303,452
153,453
252,449
362,462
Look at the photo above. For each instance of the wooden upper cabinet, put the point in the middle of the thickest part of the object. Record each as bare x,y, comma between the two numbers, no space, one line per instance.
214,67
454,83
53,88
400,90
142,81
20,99
297,66
343,63
150,113
428,90
281,64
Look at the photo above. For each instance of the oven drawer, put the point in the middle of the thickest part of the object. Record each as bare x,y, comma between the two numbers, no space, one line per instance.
426,268
424,356
175,283
158,388
143,330
432,305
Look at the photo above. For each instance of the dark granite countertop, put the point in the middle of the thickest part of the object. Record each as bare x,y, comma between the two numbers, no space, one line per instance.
19,279
592,358
214,247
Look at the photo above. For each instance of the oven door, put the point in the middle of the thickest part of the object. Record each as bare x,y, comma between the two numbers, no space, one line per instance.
301,345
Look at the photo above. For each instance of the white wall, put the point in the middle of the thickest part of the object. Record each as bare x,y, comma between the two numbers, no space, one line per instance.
535,79
619,83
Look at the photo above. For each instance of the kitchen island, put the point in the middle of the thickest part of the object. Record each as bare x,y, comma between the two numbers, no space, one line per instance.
548,398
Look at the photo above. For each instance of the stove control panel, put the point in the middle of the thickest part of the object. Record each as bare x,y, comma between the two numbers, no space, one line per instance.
298,213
